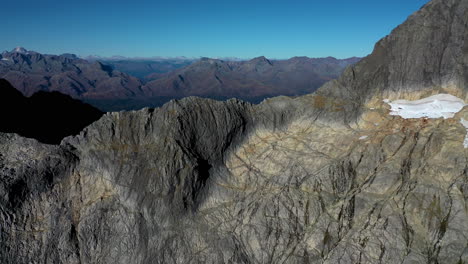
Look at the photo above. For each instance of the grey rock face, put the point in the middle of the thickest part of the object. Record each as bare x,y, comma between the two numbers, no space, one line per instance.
427,52
34,209
320,178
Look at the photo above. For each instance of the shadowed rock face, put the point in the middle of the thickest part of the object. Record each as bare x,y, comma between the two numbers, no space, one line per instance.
47,117
323,178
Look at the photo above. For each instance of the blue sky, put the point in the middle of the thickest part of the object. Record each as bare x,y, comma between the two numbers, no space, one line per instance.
210,28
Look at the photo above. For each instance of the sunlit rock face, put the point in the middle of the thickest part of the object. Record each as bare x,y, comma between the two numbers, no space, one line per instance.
331,177
426,55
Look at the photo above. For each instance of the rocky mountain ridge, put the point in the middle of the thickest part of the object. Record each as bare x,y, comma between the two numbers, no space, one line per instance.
329,177
258,77
30,72
142,68
114,85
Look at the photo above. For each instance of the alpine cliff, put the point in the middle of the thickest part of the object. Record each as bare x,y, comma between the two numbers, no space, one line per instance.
348,174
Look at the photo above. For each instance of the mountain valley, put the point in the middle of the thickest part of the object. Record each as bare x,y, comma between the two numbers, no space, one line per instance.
114,84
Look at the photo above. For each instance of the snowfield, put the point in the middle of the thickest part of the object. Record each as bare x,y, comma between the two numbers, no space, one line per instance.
439,105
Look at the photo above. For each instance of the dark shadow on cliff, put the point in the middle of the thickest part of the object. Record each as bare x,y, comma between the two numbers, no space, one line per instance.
45,116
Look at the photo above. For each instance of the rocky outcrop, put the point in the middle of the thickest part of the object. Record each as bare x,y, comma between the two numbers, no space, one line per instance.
329,177
426,54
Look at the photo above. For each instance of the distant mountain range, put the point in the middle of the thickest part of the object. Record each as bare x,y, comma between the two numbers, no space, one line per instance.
31,72
119,83
258,77
144,67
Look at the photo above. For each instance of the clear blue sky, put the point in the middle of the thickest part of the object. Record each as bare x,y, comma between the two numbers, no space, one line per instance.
211,28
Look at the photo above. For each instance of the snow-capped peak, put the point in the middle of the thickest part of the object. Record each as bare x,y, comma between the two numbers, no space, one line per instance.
19,50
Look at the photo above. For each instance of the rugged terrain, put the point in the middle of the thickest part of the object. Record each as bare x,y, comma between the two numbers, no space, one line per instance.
329,177
259,77
114,84
30,72
143,67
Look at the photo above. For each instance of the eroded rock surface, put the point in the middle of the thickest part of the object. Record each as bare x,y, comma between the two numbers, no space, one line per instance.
329,177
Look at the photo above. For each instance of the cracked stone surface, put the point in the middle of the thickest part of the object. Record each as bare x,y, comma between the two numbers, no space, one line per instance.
329,177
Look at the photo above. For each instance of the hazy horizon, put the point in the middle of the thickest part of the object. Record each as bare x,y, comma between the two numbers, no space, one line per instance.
241,29
119,57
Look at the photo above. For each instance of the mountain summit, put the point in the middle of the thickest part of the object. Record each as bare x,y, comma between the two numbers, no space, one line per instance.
19,50
30,72
427,53
371,168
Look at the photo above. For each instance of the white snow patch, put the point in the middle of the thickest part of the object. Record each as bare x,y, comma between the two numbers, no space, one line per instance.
439,105
20,50
5,59
465,124
363,137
